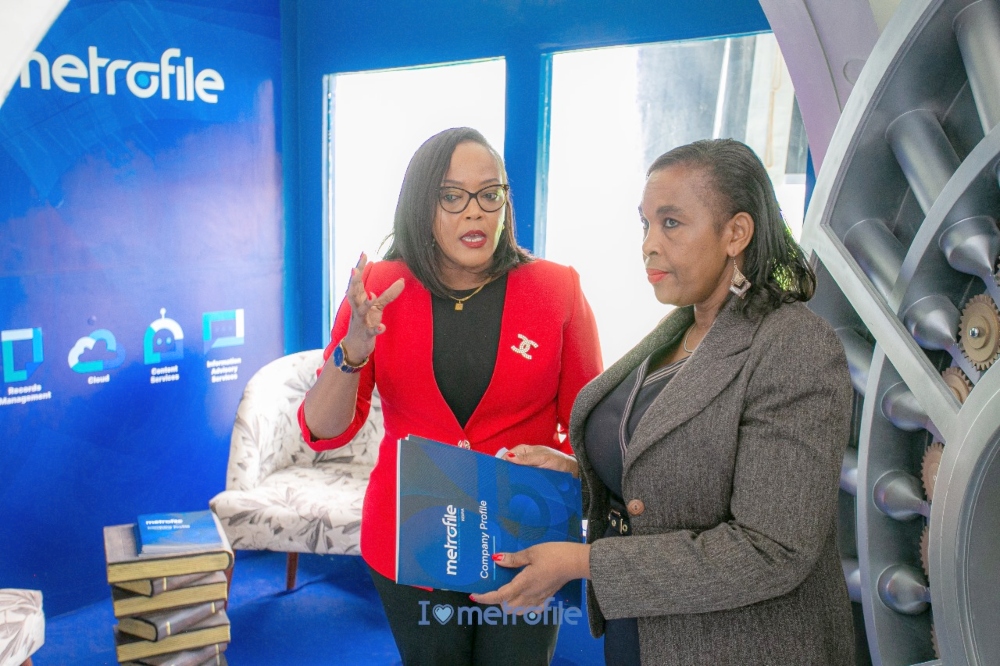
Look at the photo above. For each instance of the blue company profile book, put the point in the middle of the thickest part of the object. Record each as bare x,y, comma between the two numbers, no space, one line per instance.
456,508
170,533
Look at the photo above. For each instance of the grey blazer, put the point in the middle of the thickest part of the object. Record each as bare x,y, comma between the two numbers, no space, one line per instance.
733,557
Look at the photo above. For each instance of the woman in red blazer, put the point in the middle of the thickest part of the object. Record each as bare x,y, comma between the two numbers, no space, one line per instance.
471,342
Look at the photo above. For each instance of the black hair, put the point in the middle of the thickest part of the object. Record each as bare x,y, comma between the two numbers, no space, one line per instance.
773,262
412,237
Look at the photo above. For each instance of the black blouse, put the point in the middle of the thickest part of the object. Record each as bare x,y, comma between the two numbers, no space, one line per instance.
613,421
465,345
607,434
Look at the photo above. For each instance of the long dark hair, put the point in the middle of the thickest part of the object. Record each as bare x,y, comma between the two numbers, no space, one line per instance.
773,262
413,227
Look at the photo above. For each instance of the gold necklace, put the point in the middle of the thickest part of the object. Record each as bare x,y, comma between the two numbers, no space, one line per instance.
459,301
684,342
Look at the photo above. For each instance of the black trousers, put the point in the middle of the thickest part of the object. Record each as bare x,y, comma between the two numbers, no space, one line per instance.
455,635
621,637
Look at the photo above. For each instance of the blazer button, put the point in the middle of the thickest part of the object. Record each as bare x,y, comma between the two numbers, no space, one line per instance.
636,507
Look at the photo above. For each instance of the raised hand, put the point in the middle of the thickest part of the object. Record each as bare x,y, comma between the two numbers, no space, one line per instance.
366,313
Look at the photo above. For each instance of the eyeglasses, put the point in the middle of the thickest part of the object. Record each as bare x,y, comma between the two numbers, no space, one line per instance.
491,198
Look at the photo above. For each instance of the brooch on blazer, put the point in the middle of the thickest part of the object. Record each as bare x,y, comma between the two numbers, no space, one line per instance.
525,346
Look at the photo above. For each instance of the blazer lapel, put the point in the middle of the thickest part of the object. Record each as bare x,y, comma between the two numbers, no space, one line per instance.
666,332
718,359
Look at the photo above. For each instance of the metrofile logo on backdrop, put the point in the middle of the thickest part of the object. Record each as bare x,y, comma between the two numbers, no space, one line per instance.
143,79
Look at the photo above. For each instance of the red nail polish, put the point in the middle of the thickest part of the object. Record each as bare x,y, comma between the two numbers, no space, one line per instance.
472,597
498,557
511,455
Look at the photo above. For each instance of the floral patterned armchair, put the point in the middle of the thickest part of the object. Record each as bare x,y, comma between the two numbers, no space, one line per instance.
22,626
280,494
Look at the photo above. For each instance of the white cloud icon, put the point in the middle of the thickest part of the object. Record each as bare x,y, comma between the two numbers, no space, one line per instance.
82,345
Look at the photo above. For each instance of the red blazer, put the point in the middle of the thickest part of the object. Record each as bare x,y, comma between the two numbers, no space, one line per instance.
528,399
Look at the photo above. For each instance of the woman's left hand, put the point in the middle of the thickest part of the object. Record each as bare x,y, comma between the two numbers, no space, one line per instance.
547,567
545,457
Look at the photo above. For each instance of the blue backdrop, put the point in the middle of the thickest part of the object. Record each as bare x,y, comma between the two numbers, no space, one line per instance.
142,239
115,207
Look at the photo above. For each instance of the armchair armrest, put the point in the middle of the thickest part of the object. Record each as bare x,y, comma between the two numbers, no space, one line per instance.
266,434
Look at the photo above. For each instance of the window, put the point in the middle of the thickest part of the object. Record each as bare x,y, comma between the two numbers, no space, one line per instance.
375,122
613,111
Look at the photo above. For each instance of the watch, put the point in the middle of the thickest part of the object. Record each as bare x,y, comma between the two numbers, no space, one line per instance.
340,360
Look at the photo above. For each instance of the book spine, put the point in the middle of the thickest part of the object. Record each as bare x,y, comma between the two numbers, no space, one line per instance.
166,583
210,654
125,604
175,622
161,584
210,631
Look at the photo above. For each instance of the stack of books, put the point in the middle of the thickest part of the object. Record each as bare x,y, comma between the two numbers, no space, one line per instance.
169,589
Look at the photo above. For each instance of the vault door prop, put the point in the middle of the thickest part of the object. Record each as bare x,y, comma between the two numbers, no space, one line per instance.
903,222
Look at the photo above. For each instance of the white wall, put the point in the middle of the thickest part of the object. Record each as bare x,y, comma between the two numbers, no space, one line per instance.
23,23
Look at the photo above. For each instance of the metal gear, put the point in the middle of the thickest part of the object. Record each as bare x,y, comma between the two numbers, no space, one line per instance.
945,261
929,468
979,331
957,382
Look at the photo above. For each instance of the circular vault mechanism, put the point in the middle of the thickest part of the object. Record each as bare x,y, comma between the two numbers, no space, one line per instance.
903,225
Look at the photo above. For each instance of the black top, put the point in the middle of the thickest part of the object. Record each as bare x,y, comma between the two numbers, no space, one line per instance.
465,345
607,434
612,422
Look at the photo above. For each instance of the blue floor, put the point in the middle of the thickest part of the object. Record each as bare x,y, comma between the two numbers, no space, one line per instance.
332,617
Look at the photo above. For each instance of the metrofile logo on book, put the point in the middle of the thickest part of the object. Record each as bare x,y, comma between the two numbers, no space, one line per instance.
451,540
174,76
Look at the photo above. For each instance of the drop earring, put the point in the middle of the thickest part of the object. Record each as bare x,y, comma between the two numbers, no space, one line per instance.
740,284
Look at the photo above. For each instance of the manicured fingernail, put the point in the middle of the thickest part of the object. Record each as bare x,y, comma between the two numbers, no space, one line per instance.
472,596
511,455
498,557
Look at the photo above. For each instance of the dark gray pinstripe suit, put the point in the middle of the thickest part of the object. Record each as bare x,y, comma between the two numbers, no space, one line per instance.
734,558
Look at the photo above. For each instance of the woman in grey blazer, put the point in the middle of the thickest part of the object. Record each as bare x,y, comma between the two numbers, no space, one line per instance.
710,453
